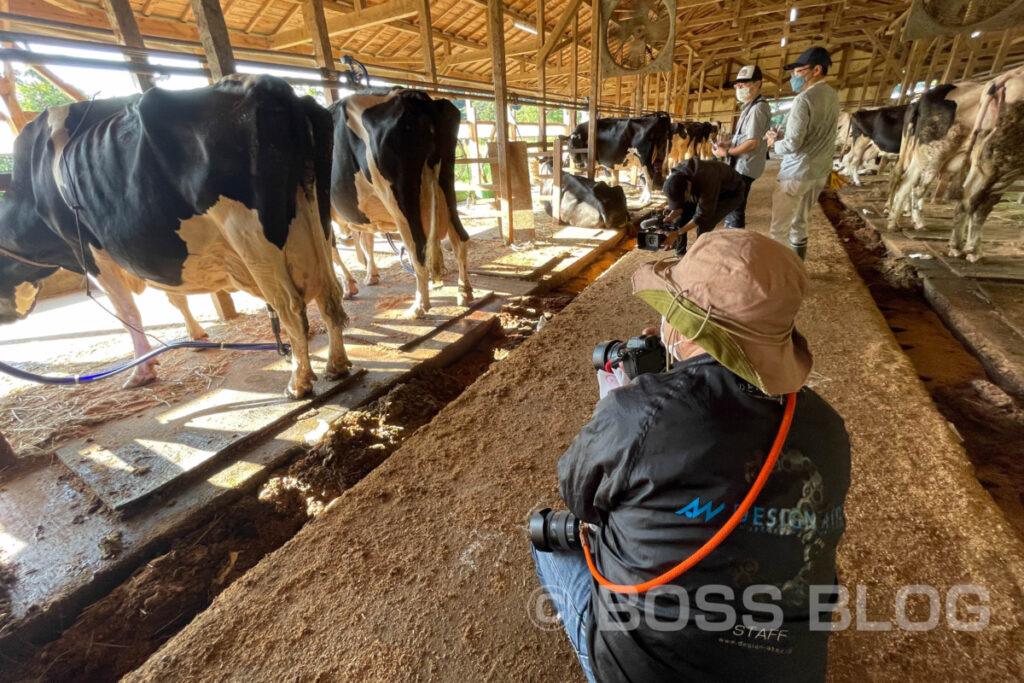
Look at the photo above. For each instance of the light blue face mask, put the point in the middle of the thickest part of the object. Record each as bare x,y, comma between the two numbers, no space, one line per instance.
797,82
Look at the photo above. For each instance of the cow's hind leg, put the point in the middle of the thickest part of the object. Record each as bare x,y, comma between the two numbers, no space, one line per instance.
464,295
195,330
421,304
364,246
348,283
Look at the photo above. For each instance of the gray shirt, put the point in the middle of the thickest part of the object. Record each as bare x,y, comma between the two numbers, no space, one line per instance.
753,124
810,137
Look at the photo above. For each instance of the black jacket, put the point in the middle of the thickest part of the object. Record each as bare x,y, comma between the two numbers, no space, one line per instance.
660,467
710,183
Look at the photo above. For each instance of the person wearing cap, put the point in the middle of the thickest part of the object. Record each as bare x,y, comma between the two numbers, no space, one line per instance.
807,148
699,195
666,459
748,150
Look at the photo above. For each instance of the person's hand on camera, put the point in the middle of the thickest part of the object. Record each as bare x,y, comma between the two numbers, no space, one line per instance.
721,150
670,240
671,216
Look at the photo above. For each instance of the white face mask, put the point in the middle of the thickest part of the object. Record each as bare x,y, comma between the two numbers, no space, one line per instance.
743,94
672,348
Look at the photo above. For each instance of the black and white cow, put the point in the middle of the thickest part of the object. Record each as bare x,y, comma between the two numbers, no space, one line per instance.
217,189
648,135
587,203
873,130
935,138
394,171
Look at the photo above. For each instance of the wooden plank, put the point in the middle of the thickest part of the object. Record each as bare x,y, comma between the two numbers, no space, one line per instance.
686,88
522,201
954,58
18,118
556,182
213,34
568,14
595,86
316,24
542,79
496,37
427,41
1000,59
867,77
574,65
126,30
484,54
352,21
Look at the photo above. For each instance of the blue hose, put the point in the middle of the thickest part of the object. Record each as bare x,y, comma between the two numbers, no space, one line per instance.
82,379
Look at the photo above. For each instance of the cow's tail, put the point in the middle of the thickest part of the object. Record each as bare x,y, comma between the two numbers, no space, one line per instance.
433,258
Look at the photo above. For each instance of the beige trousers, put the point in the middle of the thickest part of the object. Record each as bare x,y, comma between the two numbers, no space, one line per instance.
791,202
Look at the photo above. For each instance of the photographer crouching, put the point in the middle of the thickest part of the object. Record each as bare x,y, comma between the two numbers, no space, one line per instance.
710,493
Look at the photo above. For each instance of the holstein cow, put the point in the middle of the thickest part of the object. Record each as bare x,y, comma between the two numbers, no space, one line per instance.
585,203
394,170
690,139
878,128
996,155
195,191
648,134
934,142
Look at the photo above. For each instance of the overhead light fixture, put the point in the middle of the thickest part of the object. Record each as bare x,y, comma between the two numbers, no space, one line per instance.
792,14
524,27
975,34
783,43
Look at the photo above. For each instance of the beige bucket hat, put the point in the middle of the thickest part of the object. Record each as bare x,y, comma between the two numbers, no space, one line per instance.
735,294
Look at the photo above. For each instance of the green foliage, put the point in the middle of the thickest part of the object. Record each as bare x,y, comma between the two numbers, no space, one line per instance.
36,93
6,163
484,111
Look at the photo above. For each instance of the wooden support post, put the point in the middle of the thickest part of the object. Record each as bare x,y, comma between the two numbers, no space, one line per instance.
503,183
954,58
867,77
316,24
556,182
213,34
595,85
969,66
542,84
700,94
521,199
884,90
574,69
670,84
474,149
908,72
1000,59
427,41
224,306
126,30
686,88
8,93
638,94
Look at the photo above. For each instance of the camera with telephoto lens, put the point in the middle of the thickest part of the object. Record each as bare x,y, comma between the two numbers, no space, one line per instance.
652,234
636,356
552,531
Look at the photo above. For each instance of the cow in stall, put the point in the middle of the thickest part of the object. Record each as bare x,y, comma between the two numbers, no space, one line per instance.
584,203
220,188
873,131
394,171
648,135
842,132
690,139
935,138
996,156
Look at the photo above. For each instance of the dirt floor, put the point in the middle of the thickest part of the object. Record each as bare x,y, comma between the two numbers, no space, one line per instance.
420,572
119,632
988,420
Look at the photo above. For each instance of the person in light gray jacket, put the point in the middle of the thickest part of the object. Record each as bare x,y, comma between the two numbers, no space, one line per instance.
806,149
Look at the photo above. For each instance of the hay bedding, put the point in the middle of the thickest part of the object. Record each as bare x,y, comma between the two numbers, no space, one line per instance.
38,418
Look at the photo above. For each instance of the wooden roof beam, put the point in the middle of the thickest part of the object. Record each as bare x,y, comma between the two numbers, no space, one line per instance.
352,21
560,28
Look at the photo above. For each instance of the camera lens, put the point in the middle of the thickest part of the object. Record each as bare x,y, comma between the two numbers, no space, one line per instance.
604,352
554,531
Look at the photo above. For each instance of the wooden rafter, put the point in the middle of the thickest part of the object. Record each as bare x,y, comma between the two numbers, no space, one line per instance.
353,21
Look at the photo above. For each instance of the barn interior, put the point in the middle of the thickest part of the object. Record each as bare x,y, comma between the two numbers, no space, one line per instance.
206,526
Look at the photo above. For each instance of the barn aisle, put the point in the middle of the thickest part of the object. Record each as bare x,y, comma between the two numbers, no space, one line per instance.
421,571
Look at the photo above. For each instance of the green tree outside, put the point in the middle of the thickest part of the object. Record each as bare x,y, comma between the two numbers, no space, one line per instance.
35,93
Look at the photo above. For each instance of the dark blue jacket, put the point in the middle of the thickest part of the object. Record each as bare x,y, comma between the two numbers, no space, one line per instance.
661,466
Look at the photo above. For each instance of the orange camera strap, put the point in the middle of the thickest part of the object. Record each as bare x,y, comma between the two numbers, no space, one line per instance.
720,535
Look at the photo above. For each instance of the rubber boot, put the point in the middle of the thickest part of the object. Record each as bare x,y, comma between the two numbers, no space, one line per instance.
800,249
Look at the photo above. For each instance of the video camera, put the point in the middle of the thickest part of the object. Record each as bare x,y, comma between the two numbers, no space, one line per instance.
652,233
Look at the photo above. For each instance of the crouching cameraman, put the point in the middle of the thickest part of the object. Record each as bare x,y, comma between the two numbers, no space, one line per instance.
671,459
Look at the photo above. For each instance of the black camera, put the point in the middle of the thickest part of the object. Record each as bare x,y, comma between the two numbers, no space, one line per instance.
552,531
636,356
652,234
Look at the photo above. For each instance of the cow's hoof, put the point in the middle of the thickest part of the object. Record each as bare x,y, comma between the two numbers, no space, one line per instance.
299,388
350,291
436,284
371,280
973,258
414,312
464,299
343,369
142,376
